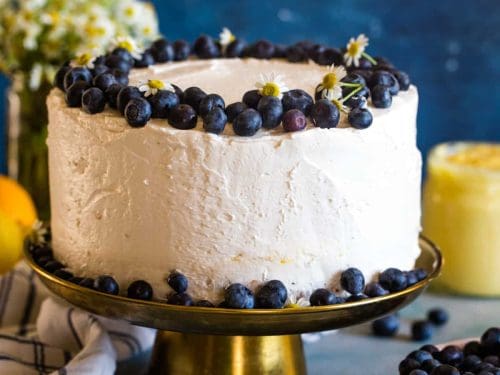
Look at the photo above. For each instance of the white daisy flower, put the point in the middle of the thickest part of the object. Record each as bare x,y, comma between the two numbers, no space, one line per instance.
355,49
85,57
38,232
152,86
330,87
294,302
226,37
35,77
130,45
271,85
130,11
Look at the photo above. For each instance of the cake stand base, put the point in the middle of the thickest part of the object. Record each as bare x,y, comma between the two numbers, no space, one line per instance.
190,354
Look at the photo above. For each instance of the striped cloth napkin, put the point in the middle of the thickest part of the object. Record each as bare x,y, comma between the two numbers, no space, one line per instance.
41,334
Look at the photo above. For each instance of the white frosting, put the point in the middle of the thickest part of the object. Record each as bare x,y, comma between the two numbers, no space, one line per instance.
298,207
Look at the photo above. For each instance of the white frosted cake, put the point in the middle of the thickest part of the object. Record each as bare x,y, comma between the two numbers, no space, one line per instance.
300,207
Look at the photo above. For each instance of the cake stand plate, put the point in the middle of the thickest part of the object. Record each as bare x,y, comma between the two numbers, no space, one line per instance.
198,340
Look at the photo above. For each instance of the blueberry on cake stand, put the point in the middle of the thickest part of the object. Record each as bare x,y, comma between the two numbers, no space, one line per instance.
202,340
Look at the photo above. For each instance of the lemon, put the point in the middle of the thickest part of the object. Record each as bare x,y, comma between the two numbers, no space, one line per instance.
17,204
11,242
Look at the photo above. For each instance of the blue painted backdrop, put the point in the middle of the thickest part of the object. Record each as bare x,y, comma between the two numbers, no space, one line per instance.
451,48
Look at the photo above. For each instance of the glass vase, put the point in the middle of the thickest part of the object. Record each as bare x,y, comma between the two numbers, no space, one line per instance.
27,132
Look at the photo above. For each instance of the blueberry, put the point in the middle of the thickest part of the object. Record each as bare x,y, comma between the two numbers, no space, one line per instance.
138,112
204,303
297,99
247,123
485,368
63,274
360,118
117,62
330,56
445,370
182,49
366,74
356,297
386,327
179,92
215,121
106,284
125,95
123,54
407,365
262,49
162,50
383,61
162,103
418,372
104,80
178,282
210,102
87,283
206,48
403,80
251,98
315,52
59,77
322,297
411,277
325,114
140,289
235,48
470,363
40,250
121,77
294,120
74,93
493,359
356,101
429,364
99,69
472,347
76,74
271,110
393,280
93,100
364,63
183,117
429,348
100,60
43,260
180,299
438,316
374,289
420,273
111,94
490,340
234,109
238,296
271,295
384,78
280,51
146,59
420,355
352,280
421,330
75,280
193,97
296,54
352,78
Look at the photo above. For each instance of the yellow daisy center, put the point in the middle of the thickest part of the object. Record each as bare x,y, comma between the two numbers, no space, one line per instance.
83,59
156,84
271,89
126,44
354,49
129,12
330,80
95,32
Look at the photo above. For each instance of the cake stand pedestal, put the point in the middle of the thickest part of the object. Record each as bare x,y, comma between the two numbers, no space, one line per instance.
198,340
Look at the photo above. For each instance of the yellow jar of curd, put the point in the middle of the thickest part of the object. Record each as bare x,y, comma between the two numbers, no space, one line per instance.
461,214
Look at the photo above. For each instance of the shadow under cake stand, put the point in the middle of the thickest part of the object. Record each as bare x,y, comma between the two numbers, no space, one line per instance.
200,340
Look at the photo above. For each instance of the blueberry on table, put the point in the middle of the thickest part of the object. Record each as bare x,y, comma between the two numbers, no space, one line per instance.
74,93
234,109
146,59
261,49
215,121
352,280
295,54
355,101
247,123
381,96
360,118
177,282
297,99
322,297
140,289
403,80
429,348
430,364
63,274
330,56
374,289
124,54
121,77
271,110
162,50
491,340
294,120
271,295
470,363
445,370
420,355
125,95
75,280
117,62
77,74
238,296
325,114
106,284
204,303
210,102
493,359
87,283
251,98
183,117
438,316
162,103
421,330
407,365
411,277
235,48
182,49
99,69
59,77
393,280
104,80
53,265
180,299
111,94
381,77
386,327
473,347
193,97
138,112
93,100
206,48
179,92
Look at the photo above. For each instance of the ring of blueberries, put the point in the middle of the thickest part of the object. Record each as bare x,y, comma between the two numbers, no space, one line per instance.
476,357
107,84
271,295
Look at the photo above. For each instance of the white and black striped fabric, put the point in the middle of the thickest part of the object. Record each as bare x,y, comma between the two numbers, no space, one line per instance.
41,334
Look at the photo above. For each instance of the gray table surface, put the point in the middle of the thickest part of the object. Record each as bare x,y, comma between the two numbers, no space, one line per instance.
354,351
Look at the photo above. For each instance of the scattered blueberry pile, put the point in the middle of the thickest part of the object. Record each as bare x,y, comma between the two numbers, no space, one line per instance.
107,84
420,329
476,357
271,295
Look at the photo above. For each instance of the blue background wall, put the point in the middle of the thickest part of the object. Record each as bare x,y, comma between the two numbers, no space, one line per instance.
451,48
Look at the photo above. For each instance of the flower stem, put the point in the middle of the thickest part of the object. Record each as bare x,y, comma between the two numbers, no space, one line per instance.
352,93
347,84
369,58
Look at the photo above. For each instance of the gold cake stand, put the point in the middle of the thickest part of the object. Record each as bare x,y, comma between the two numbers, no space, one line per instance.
198,340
